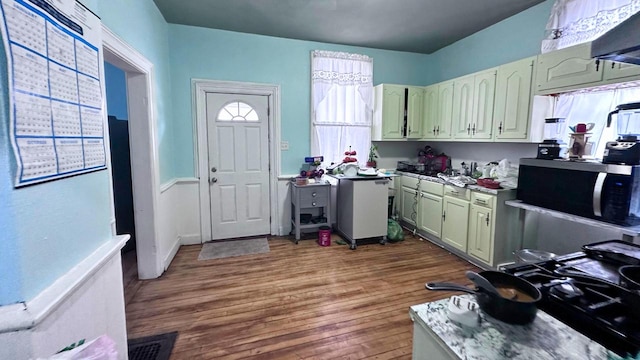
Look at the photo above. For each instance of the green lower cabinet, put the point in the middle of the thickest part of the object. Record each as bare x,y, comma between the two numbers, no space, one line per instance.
430,213
455,219
480,245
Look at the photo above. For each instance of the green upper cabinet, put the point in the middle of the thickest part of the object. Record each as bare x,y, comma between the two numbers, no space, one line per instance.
462,107
397,112
445,110
513,101
473,98
389,112
414,111
617,71
567,68
573,68
429,111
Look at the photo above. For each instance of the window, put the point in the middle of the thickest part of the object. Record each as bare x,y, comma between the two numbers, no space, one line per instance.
237,111
341,106
593,106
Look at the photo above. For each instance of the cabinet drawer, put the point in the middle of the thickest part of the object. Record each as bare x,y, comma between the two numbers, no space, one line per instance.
482,199
460,193
314,197
410,182
432,187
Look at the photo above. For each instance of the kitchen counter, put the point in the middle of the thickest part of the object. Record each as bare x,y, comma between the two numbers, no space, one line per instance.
441,181
436,337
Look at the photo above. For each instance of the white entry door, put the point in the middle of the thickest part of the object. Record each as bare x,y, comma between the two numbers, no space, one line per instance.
238,142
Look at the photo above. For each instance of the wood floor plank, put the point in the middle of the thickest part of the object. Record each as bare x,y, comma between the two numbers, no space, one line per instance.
294,302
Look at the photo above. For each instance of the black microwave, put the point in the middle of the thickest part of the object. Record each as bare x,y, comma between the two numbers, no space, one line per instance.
607,192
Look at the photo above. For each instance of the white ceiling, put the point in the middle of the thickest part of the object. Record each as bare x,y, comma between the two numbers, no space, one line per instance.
421,26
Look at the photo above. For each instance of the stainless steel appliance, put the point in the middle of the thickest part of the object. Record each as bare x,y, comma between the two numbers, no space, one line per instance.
552,147
626,149
618,44
581,289
606,192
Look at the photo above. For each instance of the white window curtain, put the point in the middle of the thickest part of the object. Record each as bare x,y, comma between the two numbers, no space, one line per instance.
577,21
592,107
342,105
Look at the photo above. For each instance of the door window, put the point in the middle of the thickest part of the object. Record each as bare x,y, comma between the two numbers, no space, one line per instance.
237,111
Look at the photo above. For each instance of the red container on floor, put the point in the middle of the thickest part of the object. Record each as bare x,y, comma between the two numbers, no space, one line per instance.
324,236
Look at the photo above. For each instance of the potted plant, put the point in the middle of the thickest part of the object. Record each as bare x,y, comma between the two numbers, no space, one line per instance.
371,162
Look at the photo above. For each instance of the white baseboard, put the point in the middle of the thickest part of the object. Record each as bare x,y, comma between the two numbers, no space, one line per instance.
172,253
191,239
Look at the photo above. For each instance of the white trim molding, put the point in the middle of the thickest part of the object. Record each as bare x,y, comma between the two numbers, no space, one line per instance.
144,151
178,181
200,87
26,315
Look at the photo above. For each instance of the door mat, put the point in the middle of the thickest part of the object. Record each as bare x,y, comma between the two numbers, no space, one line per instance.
223,249
156,347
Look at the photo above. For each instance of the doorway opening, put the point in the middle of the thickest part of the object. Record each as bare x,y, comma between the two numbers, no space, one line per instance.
143,153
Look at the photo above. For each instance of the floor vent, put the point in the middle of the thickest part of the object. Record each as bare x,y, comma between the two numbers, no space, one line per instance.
156,347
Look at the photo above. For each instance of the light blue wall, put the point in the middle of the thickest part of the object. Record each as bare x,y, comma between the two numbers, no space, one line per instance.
10,257
116,84
48,228
141,25
223,55
512,39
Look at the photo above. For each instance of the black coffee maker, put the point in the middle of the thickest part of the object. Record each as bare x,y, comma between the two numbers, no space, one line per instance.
552,147
626,149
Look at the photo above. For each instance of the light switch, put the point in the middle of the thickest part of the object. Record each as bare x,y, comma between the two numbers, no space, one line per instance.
284,145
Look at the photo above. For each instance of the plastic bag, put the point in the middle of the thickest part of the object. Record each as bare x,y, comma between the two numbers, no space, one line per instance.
394,231
102,348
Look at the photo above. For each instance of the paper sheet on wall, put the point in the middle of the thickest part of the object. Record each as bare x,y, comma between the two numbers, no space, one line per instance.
53,58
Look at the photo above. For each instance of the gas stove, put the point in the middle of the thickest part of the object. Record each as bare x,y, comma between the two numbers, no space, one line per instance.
581,290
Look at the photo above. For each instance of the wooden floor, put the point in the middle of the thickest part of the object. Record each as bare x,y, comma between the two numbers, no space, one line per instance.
295,302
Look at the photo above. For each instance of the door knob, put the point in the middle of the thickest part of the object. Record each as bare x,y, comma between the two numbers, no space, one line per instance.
213,180
214,169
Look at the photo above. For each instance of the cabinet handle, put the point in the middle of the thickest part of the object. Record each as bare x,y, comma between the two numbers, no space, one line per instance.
434,130
500,128
444,216
313,203
468,129
481,202
438,129
313,194
473,129
613,65
488,219
597,65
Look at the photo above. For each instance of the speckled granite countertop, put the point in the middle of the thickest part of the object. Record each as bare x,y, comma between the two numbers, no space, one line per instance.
440,181
545,338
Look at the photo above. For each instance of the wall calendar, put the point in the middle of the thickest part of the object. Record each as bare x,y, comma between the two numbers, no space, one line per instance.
55,88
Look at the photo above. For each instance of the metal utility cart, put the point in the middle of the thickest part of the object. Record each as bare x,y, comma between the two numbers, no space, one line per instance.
315,198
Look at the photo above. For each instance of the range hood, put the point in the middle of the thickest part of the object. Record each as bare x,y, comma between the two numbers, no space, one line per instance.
620,44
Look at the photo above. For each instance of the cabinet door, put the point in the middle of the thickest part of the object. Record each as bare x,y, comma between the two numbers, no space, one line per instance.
445,110
409,205
513,99
480,233
571,67
616,70
430,212
392,112
484,90
455,216
462,107
430,112
414,112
